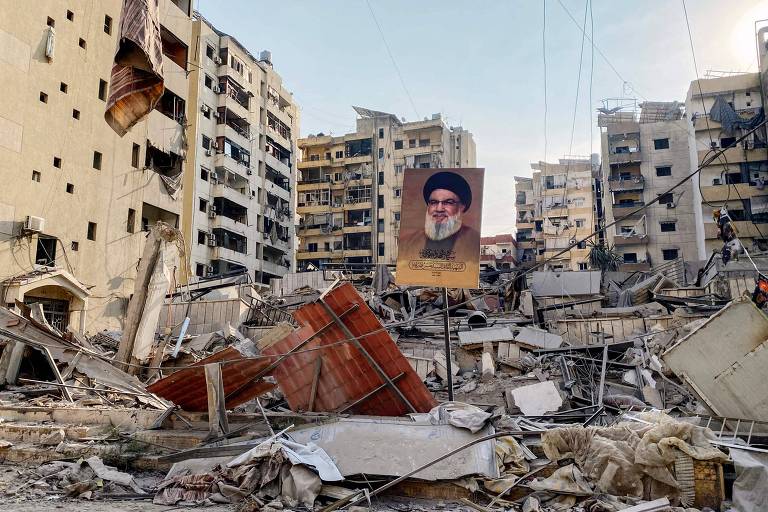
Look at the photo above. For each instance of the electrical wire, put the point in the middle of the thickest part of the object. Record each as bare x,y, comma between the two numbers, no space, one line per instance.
439,312
392,58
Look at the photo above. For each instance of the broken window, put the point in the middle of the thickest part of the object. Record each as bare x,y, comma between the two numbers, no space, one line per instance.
381,153
107,24
130,225
727,142
668,226
661,143
135,153
411,143
203,205
204,174
666,198
57,162
209,51
339,154
36,176
380,201
201,237
173,48
75,113
97,160
172,106
102,90
398,144
669,254
43,97
70,16
630,257
70,188
82,43
381,248
208,82
360,147
63,87
46,252
664,171
91,233
423,143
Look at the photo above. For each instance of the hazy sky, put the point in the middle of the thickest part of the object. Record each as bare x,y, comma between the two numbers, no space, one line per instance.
481,65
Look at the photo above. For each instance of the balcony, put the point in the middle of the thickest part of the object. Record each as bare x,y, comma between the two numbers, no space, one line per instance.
624,158
275,189
304,254
232,194
227,162
308,164
222,253
628,207
237,135
165,133
636,239
730,191
281,166
224,222
745,229
275,269
618,184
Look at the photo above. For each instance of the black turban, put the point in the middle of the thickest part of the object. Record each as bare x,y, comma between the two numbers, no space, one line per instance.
449,181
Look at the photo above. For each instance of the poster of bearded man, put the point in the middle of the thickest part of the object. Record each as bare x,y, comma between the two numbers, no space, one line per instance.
439,243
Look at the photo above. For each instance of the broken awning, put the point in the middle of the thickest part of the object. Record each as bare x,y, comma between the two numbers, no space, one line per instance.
345,378
187,389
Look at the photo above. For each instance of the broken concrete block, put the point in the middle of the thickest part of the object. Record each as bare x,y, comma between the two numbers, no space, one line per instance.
536,399
441,366
487,367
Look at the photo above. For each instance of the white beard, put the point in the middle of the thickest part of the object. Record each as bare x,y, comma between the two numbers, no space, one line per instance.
441,230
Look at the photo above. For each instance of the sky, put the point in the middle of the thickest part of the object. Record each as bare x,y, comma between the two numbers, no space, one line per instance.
481,65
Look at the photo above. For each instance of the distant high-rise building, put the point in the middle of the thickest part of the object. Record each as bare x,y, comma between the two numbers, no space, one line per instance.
556,208
349,186
239,186
644,153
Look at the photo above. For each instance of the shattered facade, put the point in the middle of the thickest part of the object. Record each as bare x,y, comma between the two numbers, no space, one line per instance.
77,198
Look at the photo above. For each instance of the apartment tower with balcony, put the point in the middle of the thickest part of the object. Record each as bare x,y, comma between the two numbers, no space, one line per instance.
644,153
349,186
721,110
239,200
564,211
76,197
525,205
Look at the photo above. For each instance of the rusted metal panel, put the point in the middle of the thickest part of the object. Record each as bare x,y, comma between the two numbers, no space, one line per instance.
186,388
346,376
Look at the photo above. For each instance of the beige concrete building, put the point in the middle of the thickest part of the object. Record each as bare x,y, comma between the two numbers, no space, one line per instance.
738,178
349,186
564,210
238,189
644,153
76,197
499,251
525,204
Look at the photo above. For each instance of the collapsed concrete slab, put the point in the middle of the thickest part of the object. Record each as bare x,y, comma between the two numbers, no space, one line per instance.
724,359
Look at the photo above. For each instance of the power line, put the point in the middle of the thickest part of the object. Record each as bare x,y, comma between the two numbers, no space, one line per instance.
392,58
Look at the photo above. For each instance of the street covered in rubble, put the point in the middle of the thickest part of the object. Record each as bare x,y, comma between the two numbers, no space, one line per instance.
570,391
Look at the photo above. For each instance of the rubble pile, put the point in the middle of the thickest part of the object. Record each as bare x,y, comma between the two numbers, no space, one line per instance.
583,391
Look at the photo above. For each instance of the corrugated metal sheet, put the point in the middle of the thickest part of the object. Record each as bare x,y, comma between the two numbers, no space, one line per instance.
346,375
186,388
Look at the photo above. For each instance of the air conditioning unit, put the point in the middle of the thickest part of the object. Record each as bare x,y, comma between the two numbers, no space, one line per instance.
205,108
216,114
214,176
34,224
209,152
208,270
211,240
212,212
214,144
249,172
253,193
217,60
216,89
670,205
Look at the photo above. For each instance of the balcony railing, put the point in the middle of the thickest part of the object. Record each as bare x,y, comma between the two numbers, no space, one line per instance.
619,184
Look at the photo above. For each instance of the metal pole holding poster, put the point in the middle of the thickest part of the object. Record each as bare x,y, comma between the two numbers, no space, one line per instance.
447,329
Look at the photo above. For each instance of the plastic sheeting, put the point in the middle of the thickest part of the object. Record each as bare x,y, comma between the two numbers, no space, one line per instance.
750,490
617,459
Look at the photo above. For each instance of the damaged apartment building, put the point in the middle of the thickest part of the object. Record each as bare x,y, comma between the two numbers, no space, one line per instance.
644,153
349,187
239,202
722,109
76,196
554,209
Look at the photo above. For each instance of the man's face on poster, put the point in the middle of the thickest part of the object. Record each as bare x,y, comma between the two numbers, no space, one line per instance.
444,211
